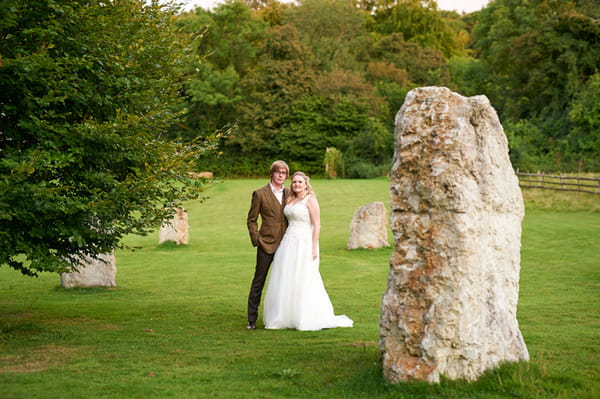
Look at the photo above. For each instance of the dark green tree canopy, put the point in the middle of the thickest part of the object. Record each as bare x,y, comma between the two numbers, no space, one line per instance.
420,22
537,57
319,59
83,106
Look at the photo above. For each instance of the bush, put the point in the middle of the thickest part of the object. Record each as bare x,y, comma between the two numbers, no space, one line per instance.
362,170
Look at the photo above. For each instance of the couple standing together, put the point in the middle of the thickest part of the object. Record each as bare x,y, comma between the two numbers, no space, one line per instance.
288,238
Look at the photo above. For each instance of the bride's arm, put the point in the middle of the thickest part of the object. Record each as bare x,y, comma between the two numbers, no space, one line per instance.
315,220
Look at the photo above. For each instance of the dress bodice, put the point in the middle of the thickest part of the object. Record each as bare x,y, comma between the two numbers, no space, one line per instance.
297,213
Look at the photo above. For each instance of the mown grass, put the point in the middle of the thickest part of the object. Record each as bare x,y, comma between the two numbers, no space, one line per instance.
174,325
560,201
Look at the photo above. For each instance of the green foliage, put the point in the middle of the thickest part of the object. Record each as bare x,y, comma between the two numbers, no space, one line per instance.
334,31
425,66
321,122
294,71
213,97
230,164
83,105
362,170
585,117
229,40
307,76
394,95
470,76
282,79
530,149
232,36
419,22
539,55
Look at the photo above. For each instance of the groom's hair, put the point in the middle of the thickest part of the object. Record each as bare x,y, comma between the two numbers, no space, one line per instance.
275,166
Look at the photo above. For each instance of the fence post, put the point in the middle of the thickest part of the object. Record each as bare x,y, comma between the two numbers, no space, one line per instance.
543,181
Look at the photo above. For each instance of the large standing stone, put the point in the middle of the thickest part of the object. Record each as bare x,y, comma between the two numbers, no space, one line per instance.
176,229
451,302
92,272
369,227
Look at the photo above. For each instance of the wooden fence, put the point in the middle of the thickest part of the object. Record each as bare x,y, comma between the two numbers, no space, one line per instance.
562,183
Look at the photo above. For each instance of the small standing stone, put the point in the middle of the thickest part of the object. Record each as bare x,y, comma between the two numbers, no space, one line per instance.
450,307
92,272
369,228
176,229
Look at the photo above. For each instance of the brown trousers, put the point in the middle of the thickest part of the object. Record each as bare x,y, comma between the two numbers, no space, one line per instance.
263,263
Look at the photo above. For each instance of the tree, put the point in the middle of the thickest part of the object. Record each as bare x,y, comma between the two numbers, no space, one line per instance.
425,66
333,30
230,37
320,122
584,114
270,11
281,79
87,90
538,56
420,22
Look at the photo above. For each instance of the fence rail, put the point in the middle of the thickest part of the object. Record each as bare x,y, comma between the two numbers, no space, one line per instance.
579,184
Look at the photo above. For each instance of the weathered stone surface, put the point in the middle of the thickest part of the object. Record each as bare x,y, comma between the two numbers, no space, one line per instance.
369,227
91,272
451,302
176,229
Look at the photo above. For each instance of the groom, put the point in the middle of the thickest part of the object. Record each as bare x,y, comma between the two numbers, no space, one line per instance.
268,202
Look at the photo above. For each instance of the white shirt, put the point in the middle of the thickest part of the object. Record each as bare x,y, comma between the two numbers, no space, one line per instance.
278,193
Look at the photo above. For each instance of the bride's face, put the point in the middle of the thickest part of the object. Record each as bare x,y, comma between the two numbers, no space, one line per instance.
298,184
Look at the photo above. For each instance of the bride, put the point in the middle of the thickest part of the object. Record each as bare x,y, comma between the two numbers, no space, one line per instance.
296,297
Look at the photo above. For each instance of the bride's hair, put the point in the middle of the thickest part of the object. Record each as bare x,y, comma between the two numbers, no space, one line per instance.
309,189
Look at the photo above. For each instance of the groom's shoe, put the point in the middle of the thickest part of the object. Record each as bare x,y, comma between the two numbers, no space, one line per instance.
251,326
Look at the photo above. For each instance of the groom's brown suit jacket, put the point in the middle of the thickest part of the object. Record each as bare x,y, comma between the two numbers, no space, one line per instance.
273,222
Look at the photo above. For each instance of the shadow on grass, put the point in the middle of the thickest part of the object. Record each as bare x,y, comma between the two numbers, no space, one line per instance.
171,246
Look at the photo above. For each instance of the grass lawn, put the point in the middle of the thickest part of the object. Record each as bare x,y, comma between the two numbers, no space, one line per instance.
174,327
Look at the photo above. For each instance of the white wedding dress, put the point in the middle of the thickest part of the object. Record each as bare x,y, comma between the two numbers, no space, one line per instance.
296,297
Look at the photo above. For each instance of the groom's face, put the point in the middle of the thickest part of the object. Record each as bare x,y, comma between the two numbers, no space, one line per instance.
279,176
